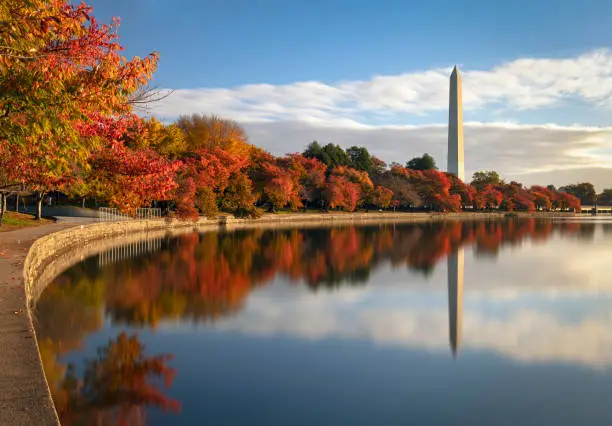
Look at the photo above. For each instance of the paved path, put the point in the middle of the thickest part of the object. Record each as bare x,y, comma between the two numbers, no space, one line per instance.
24,398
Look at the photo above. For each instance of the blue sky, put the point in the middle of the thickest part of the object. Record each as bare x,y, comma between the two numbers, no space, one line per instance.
232,43
385,63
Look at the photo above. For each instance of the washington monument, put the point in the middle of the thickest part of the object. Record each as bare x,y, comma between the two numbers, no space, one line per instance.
455,127
456,166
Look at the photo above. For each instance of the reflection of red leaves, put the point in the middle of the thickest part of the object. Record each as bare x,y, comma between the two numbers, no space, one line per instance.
117,384
211,275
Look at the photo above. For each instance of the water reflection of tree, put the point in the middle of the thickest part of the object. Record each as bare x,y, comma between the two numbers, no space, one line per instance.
71,309
206,276
203,277
116,387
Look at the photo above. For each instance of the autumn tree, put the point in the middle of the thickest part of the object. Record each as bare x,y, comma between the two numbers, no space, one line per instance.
167,140
433,188
397,181
382,197
275,181
59,68
342,193
349,188
310,174
127,178
487,196
463,190
204,175
565,201
516,197
543,198
238,197
7,185
378,166
210,131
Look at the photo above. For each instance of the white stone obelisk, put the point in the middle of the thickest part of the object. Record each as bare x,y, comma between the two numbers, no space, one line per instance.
455,298
455,127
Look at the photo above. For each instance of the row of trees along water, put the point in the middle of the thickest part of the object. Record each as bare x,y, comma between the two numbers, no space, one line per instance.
68,123
204,278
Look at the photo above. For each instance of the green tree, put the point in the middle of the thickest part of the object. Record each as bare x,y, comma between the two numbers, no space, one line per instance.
482,178
425,162
585,191
605,197
331,155
359,158
314,150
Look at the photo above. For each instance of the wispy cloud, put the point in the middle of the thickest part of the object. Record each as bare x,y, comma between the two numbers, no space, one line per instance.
284,118
399,319
547,310
521,84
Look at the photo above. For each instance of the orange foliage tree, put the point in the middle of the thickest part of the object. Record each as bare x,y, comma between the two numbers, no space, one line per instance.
59,68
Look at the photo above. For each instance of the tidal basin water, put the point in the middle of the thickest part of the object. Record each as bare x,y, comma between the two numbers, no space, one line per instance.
474,323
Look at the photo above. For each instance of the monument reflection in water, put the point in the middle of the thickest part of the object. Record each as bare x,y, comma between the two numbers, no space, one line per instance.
455,298
346,325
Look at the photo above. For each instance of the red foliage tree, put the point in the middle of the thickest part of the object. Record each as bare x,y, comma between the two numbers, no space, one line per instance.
59,68
310,174
342,193
128,178
516,197
433,188
276,181
542,197
205,174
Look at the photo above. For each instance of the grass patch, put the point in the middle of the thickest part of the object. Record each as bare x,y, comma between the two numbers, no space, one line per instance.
13,220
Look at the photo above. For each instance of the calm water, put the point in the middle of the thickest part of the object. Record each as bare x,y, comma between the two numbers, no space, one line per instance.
472,324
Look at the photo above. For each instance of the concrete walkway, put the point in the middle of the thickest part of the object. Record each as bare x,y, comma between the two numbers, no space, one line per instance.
24,398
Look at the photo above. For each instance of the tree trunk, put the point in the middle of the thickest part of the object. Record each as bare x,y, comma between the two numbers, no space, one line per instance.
39,199
2,207
83,203
17,203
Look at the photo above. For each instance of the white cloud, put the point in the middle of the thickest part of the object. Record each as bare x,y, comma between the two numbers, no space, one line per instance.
399,318
519,84
530,305
284,118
